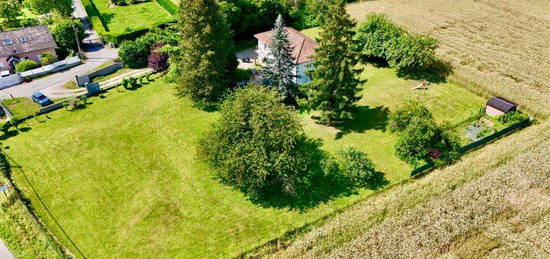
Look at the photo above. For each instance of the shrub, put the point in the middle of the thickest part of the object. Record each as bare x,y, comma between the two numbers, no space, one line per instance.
378,37
25,65
258,145
135,54
158,59
512,118
357,167
64,34
400,118
47,58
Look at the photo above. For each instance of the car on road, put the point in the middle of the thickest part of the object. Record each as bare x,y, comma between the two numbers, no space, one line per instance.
41,99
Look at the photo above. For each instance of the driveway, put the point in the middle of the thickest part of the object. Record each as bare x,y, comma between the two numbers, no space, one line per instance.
51,85
4,253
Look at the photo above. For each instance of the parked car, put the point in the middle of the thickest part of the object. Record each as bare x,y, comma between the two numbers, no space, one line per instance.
41,99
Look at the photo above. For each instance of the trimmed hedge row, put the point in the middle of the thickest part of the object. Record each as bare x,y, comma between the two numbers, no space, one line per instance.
168,6
102,29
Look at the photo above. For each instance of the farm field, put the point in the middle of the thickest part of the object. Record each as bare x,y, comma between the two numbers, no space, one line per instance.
125,19
122,179
495,47
494,203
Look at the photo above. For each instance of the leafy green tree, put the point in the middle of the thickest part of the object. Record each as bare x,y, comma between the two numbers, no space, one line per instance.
258,145
404,114
10,10
64,34
378,37
335,85
25,65
63,7
278,70
357,166
420,138
134,54
47,58
206,61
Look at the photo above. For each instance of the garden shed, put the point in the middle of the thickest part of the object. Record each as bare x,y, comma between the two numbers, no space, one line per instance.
499,106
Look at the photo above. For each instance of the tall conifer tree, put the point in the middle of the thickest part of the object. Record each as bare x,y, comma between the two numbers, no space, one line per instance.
335,85
206,61
278,70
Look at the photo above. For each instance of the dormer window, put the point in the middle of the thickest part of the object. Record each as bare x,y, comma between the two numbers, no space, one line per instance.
7,42
23,39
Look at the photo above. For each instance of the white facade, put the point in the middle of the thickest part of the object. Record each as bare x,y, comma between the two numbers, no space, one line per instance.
299,70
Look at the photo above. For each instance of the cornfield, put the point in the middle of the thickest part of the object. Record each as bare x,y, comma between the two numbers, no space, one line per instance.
495,202
496,47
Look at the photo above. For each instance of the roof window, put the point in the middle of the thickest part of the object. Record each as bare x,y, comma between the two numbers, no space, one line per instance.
7,42
23,39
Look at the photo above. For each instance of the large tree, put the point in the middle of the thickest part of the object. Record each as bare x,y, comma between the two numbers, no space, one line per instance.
258,145
206,61
10,10
278,70
63,7
335,85
66,32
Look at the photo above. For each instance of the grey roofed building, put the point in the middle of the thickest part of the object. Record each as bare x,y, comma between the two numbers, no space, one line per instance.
25,40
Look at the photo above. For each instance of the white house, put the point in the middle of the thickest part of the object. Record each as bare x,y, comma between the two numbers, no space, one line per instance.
304,49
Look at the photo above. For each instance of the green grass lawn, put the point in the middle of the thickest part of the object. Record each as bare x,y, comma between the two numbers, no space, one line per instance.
121,176
125,19
21,106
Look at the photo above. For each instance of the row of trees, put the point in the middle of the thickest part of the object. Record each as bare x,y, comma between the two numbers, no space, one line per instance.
379,38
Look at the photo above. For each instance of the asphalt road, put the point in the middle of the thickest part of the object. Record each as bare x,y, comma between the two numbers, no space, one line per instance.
51,85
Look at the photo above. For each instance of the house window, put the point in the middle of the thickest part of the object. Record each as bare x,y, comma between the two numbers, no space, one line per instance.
7,42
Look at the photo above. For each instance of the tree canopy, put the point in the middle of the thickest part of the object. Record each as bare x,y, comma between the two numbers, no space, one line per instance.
258,145
335,85
278,68
206,61
63,7
10,10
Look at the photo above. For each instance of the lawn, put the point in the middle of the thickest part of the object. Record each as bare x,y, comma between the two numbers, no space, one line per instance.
122,180
21,106
129,18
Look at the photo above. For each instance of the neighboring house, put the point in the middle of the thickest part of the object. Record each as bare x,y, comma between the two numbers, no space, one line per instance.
25,43
304,49
499,106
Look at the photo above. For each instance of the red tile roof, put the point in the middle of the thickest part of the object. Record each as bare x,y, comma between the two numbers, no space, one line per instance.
304,47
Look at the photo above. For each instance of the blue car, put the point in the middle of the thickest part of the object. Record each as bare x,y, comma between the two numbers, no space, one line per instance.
41,99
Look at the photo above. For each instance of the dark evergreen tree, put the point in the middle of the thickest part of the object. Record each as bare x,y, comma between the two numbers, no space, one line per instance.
278,70
206,61
335,84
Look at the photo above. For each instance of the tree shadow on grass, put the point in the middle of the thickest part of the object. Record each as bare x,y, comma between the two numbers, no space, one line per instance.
324,182
435,73
364,118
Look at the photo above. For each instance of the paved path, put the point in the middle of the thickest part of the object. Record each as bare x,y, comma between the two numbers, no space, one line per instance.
54,81
4,253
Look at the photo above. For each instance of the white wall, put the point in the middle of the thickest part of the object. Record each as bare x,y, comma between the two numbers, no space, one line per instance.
10,80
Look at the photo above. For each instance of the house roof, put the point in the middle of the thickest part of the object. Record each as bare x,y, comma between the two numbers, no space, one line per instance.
502,104
19,41
304,47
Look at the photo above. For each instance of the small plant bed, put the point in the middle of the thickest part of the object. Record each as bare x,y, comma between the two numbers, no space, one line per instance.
487,125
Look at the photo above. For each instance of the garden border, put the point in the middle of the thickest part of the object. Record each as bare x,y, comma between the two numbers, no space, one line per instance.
474,145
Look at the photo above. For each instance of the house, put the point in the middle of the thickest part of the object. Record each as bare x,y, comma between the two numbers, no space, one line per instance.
304,50
25,43
499,106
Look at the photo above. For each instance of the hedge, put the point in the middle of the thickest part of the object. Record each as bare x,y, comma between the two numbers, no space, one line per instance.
168,6
100,26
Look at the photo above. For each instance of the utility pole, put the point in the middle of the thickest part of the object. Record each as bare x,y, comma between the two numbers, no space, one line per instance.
80,53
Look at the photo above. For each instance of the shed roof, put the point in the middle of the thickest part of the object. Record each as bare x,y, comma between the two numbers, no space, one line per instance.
19,41
502,104
304,47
